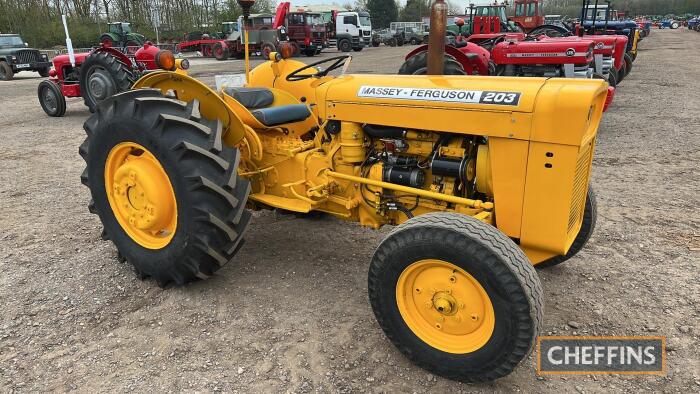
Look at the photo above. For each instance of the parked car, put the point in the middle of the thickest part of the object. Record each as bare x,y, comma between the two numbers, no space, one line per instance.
16,56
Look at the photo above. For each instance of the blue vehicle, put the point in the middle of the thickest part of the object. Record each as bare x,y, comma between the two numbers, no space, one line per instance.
669,24
694,24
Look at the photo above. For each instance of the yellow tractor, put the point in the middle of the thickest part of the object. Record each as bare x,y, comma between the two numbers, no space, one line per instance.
484,177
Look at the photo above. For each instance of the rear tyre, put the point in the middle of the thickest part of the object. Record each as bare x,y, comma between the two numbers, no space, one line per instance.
207,51
344,45
101,76
51,99
414,41
6,73
628,63
391,42
418,65
612,77
590,214
221,52
132,47
375,43
164,185
266,50
456,296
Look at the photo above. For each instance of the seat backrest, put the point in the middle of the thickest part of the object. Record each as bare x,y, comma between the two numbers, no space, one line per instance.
251,98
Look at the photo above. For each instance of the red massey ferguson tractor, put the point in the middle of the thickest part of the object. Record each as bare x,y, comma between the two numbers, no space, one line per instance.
99,74
492,52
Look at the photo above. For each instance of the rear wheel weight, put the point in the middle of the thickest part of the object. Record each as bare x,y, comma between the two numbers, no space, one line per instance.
479,258
208,196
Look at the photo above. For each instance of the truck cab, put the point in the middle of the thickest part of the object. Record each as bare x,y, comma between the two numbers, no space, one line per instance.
528,14
353,30
307,31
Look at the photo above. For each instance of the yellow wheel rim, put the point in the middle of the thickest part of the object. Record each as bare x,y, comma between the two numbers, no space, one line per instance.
140,194
445,306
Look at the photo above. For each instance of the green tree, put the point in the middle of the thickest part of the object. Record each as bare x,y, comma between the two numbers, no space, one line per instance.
415,10
382,12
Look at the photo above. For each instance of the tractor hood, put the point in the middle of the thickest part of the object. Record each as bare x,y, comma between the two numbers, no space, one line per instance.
543,52
555,109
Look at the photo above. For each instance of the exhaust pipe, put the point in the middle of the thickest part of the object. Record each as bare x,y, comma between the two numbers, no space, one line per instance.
436,39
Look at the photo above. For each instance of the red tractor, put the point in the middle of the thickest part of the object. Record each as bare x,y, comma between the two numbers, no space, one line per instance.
492,52
99,74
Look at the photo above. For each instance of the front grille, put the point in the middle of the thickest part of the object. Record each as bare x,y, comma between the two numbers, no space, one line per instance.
578,196
28,56
583,71
607,64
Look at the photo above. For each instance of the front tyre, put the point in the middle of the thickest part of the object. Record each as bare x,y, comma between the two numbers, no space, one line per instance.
164,186
51,99
456,296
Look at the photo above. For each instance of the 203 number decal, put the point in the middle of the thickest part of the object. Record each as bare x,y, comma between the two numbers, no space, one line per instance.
500,98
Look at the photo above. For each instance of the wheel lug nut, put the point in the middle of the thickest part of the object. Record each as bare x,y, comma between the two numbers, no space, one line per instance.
475,317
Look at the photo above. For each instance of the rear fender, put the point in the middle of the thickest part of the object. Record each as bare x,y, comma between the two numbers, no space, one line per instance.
211,105
118,54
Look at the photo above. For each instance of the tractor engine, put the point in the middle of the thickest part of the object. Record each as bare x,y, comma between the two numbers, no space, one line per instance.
544,58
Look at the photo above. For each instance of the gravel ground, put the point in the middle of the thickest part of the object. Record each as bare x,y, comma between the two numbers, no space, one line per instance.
291,313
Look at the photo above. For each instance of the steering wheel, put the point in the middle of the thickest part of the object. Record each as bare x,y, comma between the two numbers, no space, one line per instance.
338,62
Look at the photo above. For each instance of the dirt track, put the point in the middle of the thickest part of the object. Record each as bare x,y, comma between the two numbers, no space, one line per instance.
291,312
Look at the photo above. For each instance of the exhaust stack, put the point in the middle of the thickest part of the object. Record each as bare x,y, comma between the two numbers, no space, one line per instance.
436,39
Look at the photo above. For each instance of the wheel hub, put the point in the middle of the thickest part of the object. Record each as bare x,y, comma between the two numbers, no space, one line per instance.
50,100
445,306
100,85
141,195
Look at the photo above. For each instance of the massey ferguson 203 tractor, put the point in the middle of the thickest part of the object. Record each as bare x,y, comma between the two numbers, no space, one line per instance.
483,177
99,74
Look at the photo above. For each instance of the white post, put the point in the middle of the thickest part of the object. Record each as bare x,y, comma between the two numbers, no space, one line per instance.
69,43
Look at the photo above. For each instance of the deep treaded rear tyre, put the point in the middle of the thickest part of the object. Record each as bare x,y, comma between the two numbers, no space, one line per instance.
491,259
418,65
590,214
102,75
628,63
202,171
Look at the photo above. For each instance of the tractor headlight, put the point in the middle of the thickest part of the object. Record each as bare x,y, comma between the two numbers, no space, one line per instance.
182,64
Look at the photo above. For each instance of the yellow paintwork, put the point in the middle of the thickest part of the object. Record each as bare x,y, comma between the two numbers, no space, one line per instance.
140,195
531,167
445,306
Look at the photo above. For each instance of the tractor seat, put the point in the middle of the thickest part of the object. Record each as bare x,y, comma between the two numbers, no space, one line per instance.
275,116
252,98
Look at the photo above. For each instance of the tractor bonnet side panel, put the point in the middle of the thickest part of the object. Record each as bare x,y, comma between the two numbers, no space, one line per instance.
543,52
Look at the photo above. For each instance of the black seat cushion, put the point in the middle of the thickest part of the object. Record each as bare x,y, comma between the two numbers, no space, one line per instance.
252,98
282,114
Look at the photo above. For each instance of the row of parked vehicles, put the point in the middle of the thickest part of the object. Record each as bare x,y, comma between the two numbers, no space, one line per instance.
598,45
306,31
